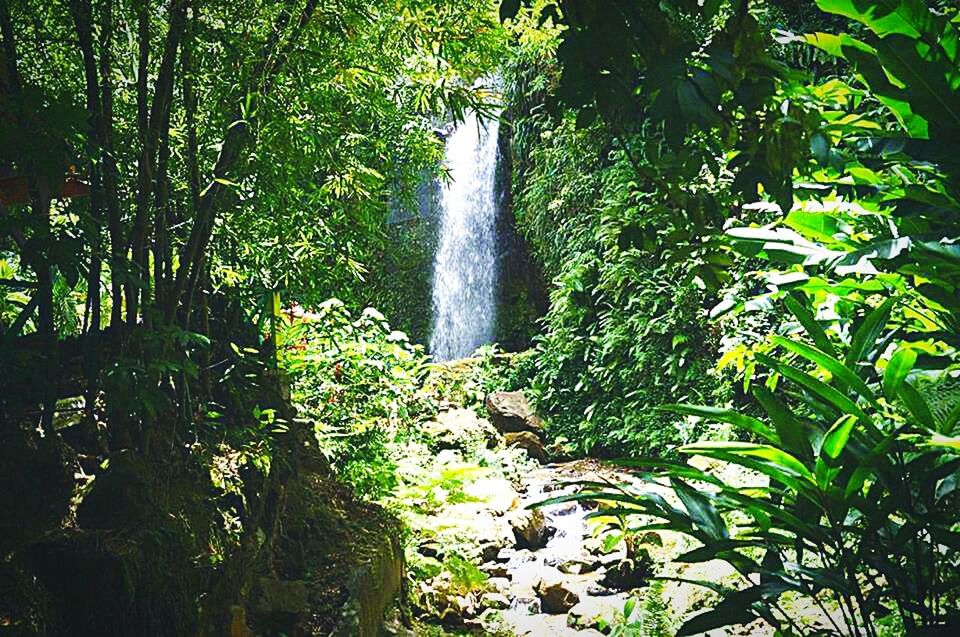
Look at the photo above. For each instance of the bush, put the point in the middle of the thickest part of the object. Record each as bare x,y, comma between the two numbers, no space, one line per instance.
359,383
859,516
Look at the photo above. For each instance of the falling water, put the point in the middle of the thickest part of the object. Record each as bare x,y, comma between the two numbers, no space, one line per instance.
464,275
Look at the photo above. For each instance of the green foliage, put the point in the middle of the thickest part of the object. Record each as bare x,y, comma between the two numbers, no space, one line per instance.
625,332
358,383
854,489
466,577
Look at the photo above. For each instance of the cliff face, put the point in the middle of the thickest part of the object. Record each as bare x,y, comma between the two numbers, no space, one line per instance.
522,292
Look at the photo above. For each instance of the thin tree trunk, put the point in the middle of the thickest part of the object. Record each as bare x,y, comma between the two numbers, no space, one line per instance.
109,168
40,208
150,125
83,19
272,58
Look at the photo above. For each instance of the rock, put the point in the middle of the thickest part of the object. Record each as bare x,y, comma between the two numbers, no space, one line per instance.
510,412
497,494
530,605
628,574
595,590
430,548
462,430
496,601
279,596
529,528
529,442
494,570
479,534
499,584
577,566
555,594
595,612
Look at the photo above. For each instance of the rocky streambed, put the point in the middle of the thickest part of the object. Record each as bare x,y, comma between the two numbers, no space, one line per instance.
512,568
546,570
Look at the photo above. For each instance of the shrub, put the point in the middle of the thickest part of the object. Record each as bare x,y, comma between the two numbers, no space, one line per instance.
859,516
359,383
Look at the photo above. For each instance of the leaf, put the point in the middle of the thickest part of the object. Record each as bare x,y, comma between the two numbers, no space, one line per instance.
897,369
886,17
836,439
825,392
789,429
865,338
729,416
837,369
766,453
916,404
701,510
808,321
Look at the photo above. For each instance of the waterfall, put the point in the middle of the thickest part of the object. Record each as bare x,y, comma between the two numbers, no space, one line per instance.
465,272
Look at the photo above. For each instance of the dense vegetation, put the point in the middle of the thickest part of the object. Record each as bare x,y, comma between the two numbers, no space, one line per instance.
747,214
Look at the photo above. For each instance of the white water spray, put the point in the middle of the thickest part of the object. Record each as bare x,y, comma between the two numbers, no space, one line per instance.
465,269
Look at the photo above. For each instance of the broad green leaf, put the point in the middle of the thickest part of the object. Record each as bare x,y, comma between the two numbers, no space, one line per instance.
823,391
795,303
886,17
790,431
766,453
865,338
837,369
729,416
836,439
701,510
916,404
897,369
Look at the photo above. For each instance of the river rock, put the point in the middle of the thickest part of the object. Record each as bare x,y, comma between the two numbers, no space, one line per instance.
495,570
577,566
529,528
496,601
595,590
529,442
594,612
279,596
510,412
555,594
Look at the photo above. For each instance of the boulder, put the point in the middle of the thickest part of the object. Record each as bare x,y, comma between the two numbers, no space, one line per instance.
577,566
510,412
496,601
461,429
596,612
529,528
495,570
556,596
529,442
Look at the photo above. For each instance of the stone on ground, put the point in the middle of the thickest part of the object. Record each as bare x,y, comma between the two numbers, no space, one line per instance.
510,412
461,429
555,593
529,528
529,442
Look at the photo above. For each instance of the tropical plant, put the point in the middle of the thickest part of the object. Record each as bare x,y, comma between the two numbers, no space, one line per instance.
357,382
852,501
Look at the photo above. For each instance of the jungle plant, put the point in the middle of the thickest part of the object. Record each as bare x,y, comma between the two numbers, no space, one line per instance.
854,503
358,382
